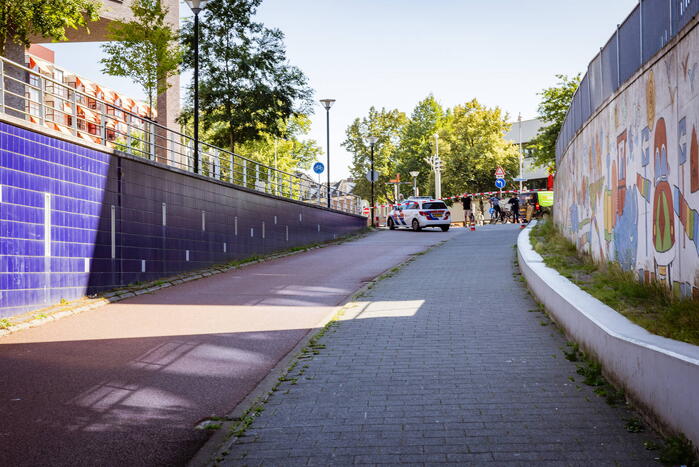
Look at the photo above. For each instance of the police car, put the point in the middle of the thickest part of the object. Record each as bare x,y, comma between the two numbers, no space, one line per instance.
418,213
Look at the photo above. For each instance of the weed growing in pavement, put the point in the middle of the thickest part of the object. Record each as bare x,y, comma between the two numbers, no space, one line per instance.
246,419
678,450
651,445
40,316
634,425
5,324
651,305
572,354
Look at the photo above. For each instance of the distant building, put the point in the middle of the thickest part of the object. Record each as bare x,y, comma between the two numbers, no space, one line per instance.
536,176
95,120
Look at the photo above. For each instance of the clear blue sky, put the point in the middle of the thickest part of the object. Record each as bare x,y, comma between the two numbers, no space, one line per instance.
393,53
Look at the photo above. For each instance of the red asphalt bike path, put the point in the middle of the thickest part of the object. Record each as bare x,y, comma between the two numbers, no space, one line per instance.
126,384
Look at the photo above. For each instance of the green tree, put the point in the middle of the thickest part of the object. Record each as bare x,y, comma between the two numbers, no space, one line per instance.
246,85
553,107
387,126
418,143
290,152
22,19
472,146
145,49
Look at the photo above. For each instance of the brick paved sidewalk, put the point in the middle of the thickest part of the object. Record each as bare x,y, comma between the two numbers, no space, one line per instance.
444,365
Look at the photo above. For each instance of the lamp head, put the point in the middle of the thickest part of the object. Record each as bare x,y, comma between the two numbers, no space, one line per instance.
327,103
196,5
414,173
372,140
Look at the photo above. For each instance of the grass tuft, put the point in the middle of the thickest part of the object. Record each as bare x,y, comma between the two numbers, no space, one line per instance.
651,305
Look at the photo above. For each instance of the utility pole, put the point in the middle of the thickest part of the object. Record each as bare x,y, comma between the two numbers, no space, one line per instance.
437,166
372,142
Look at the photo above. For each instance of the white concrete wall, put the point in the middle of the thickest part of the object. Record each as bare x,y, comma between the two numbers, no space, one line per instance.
660,375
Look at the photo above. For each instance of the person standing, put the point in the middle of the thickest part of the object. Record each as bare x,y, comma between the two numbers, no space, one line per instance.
495,202
514,203
481,214
466,202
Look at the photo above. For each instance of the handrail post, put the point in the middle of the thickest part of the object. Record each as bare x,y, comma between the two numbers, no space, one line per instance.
232,169
74,110
41,100
257,176
128,135
618,62
245,173
640,21
103,124
151,144
217,165
2,85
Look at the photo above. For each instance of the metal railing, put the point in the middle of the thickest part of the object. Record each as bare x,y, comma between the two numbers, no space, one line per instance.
31,95
648,28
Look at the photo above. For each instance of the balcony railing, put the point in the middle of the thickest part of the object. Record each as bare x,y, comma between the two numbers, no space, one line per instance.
32,96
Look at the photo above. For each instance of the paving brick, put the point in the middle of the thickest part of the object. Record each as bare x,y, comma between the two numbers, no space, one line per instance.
445,365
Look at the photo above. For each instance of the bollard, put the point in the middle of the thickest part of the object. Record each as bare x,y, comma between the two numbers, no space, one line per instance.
473,226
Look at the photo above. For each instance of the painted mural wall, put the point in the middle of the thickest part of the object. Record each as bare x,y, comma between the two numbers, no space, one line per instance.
627,188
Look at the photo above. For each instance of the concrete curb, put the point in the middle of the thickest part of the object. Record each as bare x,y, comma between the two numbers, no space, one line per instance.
220,442
660,375
46,315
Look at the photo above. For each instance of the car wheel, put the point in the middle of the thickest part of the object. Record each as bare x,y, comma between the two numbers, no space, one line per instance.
444,228
391,225
416,225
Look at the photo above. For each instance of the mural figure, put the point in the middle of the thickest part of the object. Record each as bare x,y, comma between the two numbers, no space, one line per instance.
663,209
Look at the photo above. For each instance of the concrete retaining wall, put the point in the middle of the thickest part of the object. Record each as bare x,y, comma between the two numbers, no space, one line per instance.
660,375
75,220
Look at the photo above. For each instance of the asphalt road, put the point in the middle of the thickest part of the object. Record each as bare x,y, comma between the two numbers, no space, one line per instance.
127,383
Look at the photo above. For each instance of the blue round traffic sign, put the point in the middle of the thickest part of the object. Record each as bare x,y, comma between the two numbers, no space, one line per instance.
500,183
318,167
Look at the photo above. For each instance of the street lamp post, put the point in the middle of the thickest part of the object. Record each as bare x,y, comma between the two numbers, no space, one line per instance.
372,142
196,6
327,103
414,174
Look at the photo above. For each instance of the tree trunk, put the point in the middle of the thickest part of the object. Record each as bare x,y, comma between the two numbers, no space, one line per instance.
13,83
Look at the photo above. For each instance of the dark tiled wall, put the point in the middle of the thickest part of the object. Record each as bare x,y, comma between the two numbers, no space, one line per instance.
74,221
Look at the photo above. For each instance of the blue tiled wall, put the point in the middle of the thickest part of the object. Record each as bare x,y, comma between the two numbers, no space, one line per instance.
71,248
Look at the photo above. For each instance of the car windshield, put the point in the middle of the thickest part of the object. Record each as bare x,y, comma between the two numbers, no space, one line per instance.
434,205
